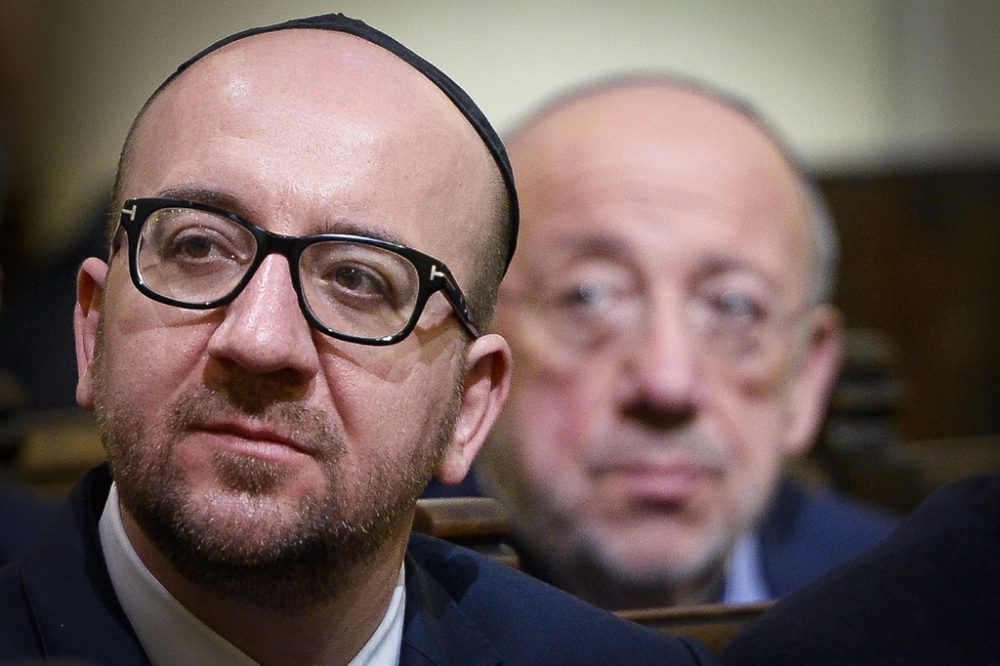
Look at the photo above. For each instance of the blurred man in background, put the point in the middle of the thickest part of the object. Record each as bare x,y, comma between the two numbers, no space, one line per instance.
669,313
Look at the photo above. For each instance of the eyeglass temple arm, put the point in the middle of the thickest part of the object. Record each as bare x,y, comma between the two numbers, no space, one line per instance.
455,297
115,243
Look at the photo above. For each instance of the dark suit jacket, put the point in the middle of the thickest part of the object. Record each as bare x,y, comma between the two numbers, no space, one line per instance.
803,535
22,515
461,608
929,594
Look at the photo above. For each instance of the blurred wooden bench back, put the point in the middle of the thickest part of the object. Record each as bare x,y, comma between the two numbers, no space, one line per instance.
712,624
479,523
56,447
866,400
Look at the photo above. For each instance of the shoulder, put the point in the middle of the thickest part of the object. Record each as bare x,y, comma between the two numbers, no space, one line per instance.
525,620
57,599
22,515
969,505
806,533
927,594
798,510
18,637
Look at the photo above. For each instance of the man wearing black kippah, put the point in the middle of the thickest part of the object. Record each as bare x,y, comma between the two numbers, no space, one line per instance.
284,345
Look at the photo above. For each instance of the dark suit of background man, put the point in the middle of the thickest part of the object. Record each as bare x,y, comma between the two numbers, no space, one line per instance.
929,594
669,315
279,359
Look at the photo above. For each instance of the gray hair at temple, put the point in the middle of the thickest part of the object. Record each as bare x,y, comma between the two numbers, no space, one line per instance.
824,237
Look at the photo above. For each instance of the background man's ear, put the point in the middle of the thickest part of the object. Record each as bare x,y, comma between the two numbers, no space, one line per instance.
487,379
814,378
86,319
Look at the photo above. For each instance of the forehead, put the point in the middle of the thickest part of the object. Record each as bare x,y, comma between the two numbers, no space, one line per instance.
308,128
667,177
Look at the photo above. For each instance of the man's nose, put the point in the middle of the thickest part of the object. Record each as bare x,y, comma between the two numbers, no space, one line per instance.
662,360
263,330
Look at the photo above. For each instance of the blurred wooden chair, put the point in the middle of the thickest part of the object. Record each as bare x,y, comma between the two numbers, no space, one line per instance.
866,400
712,624
859,449
478,523
11,399
56,448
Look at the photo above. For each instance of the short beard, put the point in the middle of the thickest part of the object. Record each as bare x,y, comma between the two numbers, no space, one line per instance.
666,580
594,563
283,567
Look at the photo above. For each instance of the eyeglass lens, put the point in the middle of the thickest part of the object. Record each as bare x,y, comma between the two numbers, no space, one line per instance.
590,316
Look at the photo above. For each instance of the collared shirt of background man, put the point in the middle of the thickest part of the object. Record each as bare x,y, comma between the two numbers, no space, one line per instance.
284,346
669,316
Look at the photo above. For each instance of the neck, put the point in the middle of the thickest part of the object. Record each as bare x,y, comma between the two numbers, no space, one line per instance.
329,632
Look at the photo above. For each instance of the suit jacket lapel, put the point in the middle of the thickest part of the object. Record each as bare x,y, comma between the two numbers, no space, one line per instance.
70,593
67,585
436,630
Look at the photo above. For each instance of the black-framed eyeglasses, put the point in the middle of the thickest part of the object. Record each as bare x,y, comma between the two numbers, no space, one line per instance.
353,288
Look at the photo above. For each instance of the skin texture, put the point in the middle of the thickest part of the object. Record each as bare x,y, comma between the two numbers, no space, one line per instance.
631,465
252,453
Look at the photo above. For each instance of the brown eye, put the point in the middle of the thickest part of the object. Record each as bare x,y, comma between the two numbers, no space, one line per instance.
354,279
194,247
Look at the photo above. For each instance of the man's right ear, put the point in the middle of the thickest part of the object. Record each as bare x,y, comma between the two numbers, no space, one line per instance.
86,319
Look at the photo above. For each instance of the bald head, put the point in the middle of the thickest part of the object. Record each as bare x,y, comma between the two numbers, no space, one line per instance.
692,129
318,93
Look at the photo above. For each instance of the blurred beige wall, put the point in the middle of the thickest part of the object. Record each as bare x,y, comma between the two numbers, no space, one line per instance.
851,83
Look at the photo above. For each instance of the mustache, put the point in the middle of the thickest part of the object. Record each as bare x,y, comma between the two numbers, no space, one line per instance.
312,428
676,448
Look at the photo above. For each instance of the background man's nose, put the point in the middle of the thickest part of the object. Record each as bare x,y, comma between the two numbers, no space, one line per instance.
662,362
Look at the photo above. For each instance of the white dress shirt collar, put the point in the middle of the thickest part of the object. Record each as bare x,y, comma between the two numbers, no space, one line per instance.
170,634
745,582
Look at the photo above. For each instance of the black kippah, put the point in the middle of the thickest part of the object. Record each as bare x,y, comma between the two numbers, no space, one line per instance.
341,23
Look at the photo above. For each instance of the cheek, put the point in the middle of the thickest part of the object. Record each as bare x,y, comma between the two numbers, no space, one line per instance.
752,420
389,401
149,356
754,410
554,424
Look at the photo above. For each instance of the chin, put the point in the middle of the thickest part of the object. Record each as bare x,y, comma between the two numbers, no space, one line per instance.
661,556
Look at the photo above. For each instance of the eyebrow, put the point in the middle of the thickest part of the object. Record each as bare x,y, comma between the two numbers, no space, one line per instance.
593,246
205,196
717,265
614,249
234,205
